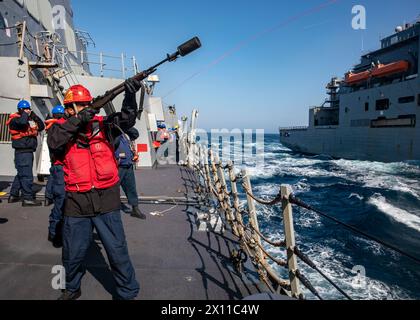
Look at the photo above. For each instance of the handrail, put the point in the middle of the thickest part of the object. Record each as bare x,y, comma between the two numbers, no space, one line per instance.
211,177
212,173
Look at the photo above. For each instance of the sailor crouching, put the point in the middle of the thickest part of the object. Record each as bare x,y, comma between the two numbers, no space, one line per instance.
92,188
24,127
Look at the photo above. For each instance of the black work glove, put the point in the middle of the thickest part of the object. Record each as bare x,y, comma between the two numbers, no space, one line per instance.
86,115
132,85
34,117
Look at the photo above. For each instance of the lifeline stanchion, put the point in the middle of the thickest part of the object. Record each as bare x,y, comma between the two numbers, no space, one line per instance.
212,176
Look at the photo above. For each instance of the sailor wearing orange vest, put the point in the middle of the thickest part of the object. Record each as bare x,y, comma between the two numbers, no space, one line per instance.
163,134
24,127
85,141
54,191
162,137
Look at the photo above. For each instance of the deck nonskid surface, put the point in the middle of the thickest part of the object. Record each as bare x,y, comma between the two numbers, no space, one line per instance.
172,260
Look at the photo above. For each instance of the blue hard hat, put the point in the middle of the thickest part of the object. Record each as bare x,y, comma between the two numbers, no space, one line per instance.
58,109
161,126
23,104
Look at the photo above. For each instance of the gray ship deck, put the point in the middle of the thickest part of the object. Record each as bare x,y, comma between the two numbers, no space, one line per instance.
172,260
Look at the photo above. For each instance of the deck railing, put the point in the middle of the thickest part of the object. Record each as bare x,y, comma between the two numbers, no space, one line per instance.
243,222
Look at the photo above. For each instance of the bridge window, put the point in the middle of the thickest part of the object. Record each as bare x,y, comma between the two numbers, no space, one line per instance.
382,104
406,99
418,100
367,106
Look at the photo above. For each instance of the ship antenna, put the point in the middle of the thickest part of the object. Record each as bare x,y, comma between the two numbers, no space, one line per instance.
363,42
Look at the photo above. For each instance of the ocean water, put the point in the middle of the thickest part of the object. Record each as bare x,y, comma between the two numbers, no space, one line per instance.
380,199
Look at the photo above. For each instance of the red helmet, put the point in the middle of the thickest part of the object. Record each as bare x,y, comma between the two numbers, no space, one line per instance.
77,93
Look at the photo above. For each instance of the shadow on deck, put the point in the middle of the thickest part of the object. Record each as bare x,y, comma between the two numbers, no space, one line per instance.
172,260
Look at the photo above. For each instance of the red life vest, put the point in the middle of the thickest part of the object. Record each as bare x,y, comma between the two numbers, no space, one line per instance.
29,131
90,163
48,124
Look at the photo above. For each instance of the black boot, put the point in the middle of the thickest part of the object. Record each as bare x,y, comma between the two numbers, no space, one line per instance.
67,295
31,203
14,199
136,213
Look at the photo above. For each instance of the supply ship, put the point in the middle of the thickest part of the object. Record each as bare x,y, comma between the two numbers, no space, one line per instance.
371,113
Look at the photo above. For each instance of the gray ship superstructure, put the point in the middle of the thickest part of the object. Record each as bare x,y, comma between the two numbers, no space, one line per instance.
372,113
42,55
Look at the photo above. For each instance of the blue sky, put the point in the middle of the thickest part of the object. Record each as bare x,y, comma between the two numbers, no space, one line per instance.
262,81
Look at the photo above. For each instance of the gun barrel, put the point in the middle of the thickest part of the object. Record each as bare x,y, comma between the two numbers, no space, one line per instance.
183,50
189,46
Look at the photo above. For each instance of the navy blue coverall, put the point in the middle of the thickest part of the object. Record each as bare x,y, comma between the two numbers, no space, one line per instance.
124,157
24,156
58,195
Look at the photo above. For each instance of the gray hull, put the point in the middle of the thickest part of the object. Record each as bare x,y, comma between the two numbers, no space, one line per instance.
382,145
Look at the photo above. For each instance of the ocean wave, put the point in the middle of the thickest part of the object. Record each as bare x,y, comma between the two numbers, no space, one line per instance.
369,174
355,195
332,263
399,215
390,176
388,189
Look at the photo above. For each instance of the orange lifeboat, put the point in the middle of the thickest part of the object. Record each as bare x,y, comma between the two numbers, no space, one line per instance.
384,70
354,78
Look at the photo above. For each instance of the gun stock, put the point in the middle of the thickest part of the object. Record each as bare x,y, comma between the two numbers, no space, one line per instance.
183,50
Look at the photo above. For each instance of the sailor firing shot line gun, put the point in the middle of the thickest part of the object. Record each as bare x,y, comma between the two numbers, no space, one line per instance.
84,143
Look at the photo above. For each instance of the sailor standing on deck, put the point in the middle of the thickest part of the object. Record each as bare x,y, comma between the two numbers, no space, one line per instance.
55,192
24,127
126,158
92,187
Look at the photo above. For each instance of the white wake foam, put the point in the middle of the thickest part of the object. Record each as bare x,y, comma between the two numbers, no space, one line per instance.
356,195
409,219
331,263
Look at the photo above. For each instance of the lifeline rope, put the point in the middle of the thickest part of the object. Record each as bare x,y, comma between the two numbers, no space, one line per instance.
246,234
293,199
310,263
300,203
